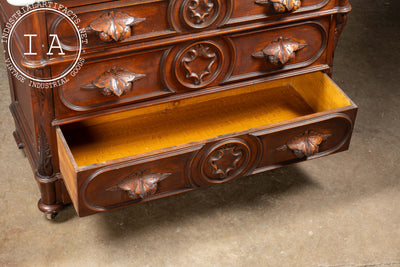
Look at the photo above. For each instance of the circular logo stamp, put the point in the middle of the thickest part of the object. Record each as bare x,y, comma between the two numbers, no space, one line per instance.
43,44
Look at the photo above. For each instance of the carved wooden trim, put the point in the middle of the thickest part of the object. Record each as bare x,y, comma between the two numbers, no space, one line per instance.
341,20
225,160
281,6
140,185
199,51
304,145
200,13
280,50
45,164
114,26
114,82
199,64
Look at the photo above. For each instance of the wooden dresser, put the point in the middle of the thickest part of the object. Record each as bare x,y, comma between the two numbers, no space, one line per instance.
175,95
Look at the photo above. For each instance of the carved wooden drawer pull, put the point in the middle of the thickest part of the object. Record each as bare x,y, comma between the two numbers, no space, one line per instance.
281,6
114,26
140,185
280,51
304,145
115,82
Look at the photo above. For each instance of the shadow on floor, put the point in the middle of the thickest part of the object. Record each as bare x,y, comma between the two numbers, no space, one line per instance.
244,194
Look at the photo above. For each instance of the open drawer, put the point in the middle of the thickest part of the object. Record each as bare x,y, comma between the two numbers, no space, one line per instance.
138,155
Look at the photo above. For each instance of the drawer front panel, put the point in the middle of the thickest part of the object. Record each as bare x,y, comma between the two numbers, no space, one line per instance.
253,10
216,162
125,184
112,24
191,66
112,82
279,49
122,22
122,159
311,138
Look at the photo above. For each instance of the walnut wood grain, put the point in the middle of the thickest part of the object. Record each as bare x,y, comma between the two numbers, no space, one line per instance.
114,26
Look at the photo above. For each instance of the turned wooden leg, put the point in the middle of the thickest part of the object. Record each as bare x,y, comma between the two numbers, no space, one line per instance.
49,203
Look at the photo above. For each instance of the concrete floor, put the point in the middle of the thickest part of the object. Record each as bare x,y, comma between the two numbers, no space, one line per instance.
341,210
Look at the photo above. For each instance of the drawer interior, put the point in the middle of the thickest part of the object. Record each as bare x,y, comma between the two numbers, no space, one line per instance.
196,119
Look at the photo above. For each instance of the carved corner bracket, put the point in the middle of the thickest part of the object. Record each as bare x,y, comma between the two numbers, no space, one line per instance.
280,50
114,26
114,82
140,185
281,6
304,145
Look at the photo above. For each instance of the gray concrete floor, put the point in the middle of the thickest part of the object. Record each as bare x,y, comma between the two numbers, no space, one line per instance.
341,210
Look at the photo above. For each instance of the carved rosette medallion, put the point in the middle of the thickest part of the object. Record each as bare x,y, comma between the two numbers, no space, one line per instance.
115,82
305,145
225,161
280,51
199,14
198,65
114,26
140,185
281,6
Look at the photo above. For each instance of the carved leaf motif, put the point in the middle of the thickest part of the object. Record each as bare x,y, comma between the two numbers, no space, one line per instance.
114,26
199,51
225,160
115,82
200,9
304,145
280,51
45,166
140,185
281,6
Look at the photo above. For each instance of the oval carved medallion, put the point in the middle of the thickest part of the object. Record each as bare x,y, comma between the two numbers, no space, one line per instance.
198,65
225,160
200,14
